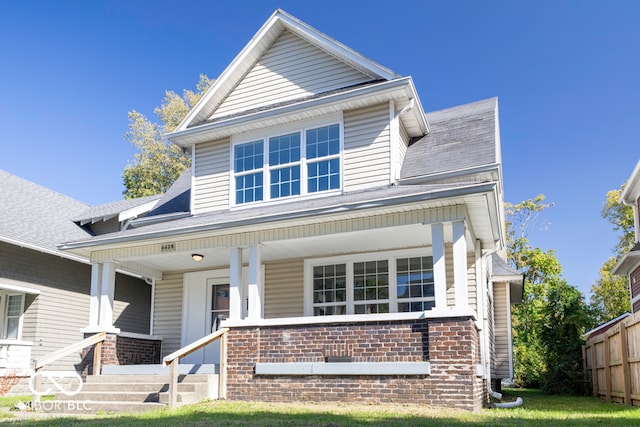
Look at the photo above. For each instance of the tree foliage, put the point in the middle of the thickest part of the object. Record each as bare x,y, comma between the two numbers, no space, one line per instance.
610,293
158,162
547,326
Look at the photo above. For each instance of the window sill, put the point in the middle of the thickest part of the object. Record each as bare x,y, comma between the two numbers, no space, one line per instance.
348,368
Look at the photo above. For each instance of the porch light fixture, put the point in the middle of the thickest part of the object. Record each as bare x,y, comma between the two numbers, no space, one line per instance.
197,257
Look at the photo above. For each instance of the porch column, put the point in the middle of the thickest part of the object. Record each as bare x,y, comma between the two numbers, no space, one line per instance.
108,285
439,267
255,287
94,301
460,265
235,284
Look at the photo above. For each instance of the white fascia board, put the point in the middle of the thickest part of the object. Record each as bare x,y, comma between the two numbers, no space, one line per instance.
135,212
16,288
259,43
628,263
355,98
632,189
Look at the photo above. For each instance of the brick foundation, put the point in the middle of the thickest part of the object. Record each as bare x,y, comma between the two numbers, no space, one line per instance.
450,345
122,350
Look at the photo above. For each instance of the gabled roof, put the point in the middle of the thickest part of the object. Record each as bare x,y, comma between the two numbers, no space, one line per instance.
259,44
462,139
36,217
458,133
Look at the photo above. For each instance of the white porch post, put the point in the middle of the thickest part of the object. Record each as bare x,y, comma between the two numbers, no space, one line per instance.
107,288
460,265
235,284
255,288
439,267
94,301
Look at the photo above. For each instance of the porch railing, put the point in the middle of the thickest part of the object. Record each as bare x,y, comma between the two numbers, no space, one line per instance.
96,340
173,359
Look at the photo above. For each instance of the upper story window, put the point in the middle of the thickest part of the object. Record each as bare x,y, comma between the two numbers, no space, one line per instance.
306,161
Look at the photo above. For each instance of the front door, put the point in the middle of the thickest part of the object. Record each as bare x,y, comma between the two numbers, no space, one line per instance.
205,302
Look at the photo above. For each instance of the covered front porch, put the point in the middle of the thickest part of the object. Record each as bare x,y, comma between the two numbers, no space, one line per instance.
349,301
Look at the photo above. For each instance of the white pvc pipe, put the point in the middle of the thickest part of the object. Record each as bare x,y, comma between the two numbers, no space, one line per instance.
518,402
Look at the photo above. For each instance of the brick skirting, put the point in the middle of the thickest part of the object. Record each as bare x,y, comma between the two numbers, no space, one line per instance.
450,345
122,350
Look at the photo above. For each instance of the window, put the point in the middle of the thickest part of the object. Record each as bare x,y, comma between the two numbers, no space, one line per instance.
307,161
415,284
12,309
386,283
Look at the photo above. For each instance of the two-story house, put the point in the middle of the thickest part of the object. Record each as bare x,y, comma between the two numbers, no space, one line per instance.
350,241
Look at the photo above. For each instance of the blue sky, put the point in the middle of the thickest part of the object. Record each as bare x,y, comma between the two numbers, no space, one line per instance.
565,72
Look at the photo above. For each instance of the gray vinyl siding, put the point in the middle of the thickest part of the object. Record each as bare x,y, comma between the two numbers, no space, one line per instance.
290,69
367,157
53,319
167,318
211,176
403,145
501,325
132,305
284,289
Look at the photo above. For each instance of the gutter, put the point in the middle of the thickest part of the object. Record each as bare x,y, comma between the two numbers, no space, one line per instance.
450,174
354,206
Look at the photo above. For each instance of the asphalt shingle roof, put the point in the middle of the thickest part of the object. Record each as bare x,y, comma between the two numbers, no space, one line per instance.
112,209
461,137
37,216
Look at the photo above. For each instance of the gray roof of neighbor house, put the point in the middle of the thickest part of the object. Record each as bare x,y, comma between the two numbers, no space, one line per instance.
37,217
461,137
110,210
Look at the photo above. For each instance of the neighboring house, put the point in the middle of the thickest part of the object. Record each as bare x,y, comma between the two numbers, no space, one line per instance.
327,218
44,292
629,264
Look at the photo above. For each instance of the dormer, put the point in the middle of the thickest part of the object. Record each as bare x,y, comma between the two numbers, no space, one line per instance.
297,115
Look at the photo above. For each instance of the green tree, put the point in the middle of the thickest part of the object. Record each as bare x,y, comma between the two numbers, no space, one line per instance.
158,162
548,299
565,317
610,293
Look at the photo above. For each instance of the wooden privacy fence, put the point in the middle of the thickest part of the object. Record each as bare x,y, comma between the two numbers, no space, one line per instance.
613,358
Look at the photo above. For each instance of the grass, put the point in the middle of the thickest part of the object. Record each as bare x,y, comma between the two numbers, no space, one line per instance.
538,410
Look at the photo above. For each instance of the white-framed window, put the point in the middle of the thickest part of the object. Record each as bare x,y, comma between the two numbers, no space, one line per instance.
388,282
11,311
287,162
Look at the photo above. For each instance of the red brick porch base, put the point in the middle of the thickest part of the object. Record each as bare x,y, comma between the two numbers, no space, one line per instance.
122,350
450,345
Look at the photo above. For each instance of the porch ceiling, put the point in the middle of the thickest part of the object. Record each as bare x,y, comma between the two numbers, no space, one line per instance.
341,243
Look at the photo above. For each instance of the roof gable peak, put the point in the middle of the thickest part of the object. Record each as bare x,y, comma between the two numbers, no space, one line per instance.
259,44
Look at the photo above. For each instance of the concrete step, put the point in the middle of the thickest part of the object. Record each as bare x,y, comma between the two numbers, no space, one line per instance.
93,407
113,396
147,378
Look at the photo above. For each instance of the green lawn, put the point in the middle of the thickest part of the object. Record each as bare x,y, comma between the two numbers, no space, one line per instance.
538,410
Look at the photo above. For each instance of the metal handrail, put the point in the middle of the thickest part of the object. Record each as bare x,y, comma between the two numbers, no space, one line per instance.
173,359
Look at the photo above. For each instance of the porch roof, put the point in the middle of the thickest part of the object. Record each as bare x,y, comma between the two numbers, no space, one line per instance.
355,204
